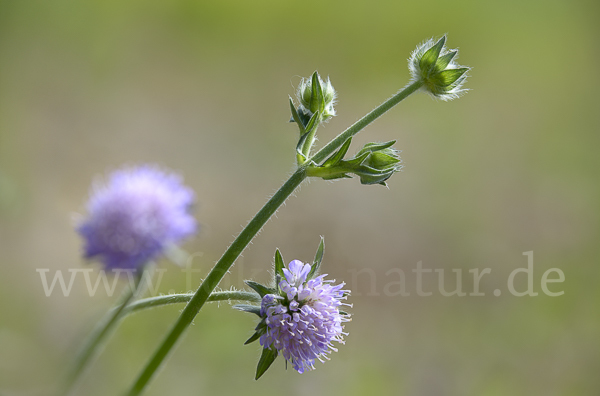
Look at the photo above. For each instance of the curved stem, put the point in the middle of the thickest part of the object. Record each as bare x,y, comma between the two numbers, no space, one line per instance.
214,277
159,301
310,139
248,233
93,343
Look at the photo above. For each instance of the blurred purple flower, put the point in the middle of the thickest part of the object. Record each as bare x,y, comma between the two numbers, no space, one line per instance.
303,325
135,215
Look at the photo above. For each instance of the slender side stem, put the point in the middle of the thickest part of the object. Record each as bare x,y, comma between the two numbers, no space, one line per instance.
159,301
98,334
231,254
310,139
327,172
94,341
214,277
124,309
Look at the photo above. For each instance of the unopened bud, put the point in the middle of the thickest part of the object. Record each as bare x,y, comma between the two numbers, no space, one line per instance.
315,95
434,65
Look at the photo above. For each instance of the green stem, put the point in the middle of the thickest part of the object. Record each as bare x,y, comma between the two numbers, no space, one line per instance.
328,173
310,139
231,254
102,330
159,301
363,122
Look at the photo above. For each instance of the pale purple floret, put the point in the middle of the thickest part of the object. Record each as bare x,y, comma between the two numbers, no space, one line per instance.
303,325
135,215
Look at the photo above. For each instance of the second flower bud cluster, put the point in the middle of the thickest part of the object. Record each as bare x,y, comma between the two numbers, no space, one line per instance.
373,164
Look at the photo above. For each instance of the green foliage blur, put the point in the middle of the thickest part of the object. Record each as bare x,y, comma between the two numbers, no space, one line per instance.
202,87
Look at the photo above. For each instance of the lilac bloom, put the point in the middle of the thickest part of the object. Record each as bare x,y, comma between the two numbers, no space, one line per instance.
303,326
135,215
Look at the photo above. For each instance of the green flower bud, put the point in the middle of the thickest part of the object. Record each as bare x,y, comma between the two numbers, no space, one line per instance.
315,95
373,164
433,64
380,162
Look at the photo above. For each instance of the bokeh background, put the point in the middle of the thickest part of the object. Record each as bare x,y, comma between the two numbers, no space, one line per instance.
201,87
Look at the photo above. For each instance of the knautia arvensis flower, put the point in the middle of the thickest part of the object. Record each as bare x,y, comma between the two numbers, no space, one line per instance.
301,316
135,215
303,324
434,65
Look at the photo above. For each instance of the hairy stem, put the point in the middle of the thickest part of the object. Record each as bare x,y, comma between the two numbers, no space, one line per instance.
169,299
363,122
103,329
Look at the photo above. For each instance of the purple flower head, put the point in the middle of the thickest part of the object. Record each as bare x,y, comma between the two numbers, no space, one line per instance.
305,320
135,215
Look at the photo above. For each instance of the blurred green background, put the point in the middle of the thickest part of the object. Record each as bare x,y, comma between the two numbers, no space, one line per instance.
202,87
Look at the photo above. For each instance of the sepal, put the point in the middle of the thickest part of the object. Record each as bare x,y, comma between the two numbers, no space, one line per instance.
370,175
316,101
428,61
260,289
336,157
372,147
279,264
452,76
254,337
296,118
304,115
444,60
318,258
248,308
300,116
266,359
261,326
